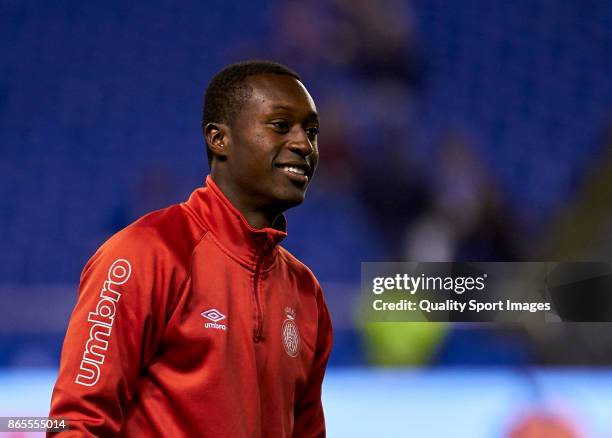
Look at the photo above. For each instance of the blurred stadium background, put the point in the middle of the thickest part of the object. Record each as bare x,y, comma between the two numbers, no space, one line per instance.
470,130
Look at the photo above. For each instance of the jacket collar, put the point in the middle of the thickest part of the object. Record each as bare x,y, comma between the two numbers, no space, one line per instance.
250,246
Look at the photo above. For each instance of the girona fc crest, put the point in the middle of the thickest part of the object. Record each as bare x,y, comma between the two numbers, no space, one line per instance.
291,334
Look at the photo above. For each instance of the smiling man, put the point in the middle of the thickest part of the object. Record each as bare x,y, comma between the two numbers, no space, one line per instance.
193,321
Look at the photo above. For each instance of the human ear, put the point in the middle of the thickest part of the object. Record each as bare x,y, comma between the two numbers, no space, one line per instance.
217,137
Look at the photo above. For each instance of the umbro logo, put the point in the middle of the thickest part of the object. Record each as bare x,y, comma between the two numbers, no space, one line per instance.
215,316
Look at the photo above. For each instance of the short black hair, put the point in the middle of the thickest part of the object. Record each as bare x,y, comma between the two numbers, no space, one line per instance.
228,91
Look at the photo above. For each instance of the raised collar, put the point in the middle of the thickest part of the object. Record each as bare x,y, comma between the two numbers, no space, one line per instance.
250,246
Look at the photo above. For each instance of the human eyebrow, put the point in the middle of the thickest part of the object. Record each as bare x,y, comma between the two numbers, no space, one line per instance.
312,120
312,115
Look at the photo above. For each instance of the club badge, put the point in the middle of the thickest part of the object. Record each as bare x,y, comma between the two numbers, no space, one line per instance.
291,334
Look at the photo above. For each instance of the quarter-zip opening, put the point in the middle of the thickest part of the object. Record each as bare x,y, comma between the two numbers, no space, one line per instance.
258,329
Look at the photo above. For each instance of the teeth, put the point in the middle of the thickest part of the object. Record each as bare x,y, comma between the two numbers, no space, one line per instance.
293,169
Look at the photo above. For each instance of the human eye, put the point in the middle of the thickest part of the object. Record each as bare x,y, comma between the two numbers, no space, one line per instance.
312,132
280,125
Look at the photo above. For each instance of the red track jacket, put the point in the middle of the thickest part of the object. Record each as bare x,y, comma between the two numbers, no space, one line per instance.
191,323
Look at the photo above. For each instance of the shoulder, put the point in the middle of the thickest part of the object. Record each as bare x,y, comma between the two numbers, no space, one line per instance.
159,239
298,268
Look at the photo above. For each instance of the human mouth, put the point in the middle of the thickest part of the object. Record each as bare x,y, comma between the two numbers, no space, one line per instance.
295,172
293,169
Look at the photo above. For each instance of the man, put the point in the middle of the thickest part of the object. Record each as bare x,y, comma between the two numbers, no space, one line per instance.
193,321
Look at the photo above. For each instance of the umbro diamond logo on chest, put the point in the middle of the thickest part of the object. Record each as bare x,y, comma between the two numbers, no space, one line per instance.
215,316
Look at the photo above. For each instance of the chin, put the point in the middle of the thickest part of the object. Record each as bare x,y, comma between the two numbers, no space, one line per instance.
288,203
289,200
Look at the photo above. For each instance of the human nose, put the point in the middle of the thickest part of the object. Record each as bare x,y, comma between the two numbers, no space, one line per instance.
301,144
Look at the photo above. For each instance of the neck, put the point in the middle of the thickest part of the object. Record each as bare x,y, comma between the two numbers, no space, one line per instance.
257,217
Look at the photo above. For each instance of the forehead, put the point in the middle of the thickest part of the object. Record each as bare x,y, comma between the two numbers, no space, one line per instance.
270,91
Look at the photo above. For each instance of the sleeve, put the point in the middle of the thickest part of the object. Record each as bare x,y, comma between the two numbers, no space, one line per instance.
114,330
309,420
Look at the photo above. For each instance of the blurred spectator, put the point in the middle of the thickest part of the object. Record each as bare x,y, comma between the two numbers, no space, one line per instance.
466,219
539,425
373,40
581,234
